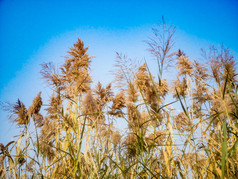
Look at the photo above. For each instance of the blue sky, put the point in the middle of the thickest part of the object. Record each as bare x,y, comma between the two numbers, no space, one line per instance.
37,31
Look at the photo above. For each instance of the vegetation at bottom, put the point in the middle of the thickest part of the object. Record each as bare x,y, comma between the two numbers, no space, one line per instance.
181,128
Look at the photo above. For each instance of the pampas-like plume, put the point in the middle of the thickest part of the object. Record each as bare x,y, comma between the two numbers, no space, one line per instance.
116,137
36,105
134,115
184,65
142,78
199,72
74,77
90,105
229,103
104,94
156,138
117,105
50,74
130,143
182,122
180,87
160,45
132,93
162,88
20,111
54,110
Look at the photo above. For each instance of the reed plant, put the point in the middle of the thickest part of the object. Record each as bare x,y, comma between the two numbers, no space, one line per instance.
185,128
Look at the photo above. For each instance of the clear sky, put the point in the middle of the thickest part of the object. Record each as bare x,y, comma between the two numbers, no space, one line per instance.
37,31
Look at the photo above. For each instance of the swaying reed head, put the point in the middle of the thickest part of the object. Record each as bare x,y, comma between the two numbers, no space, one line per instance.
36,105
116,138
104,94
118,105
180,88
19,113
184,65
132,93
156,138
55,107
160,45
90,105
34,110
134,116
229,104
142,78
182,122
130,143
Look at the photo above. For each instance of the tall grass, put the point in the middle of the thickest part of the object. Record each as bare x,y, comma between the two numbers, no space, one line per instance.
183,129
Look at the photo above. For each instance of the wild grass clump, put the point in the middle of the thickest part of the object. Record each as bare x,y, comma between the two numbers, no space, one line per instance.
185,128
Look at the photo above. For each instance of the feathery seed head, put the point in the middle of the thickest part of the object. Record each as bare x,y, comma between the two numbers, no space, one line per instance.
184,65
134,115
36,105
181,88
19,109
89,104
132,93
116,137
156,138
118,105
142,78
182,122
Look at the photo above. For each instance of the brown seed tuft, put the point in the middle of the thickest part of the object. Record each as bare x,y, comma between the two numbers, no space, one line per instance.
118,105
184,65
182,122
36,105
134,115
21,112
142,78
156,138
116,137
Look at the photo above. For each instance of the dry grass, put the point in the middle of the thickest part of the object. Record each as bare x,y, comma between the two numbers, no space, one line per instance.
194,136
